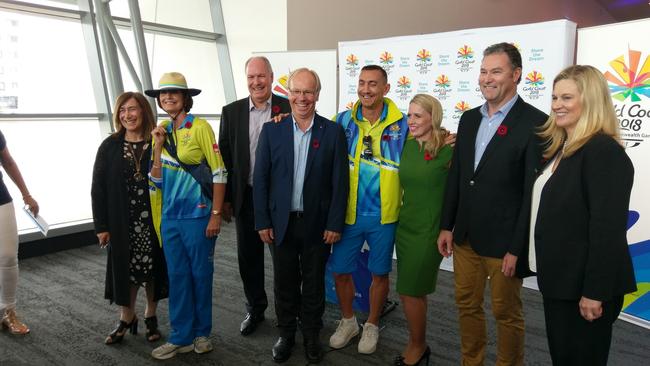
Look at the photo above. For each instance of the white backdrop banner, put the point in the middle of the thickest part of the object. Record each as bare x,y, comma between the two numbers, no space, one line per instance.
622,52
323,62
447,65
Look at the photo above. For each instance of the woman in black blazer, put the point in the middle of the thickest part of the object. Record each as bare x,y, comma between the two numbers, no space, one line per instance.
579,220
122,217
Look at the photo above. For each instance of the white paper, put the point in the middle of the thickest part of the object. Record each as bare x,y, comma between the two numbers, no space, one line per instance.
40,222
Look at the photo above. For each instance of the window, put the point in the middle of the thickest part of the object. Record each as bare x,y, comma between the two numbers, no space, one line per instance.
55,158
64,86
167,12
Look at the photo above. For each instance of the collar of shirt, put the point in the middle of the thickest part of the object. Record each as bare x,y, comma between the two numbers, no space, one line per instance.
188,120
251,105
503,110
296,128
384,113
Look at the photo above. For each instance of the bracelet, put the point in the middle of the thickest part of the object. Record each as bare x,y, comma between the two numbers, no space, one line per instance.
156,166
216,212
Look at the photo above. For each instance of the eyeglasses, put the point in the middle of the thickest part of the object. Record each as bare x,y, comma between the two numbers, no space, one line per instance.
306,93
367,147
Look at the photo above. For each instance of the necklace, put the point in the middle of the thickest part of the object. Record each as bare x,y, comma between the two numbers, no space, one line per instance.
136,161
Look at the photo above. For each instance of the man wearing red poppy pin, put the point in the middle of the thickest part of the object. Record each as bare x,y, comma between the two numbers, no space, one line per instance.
241,123
300,190
486,210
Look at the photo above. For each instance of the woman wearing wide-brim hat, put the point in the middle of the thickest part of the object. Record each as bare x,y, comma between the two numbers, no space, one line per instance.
187,221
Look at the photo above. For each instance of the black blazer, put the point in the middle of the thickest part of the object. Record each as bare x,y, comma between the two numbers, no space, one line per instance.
234,145
490,207
110,205
325,189
580,232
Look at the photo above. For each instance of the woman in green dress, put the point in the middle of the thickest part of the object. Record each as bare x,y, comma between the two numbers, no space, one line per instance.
423,174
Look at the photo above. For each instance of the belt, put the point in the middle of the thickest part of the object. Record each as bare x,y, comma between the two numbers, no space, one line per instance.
296,214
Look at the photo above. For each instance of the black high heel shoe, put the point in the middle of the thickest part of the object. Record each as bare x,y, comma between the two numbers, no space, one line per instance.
153,334
399,359
118,333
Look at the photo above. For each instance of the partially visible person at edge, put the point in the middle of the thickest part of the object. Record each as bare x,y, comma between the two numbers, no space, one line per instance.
376,131
579,220
122,217
485,215
423,176
241,123
187,220
9,241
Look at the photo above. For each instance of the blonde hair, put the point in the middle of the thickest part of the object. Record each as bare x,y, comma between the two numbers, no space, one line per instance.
148,122
597,116
433,107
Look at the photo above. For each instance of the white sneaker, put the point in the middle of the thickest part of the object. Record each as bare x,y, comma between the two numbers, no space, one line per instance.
169,350
369,338
202,345
347,329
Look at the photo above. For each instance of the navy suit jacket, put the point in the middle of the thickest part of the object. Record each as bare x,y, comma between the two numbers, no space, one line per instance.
490,206
325,190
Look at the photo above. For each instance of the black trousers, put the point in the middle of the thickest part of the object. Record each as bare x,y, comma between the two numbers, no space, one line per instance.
299,280
574,341
250,254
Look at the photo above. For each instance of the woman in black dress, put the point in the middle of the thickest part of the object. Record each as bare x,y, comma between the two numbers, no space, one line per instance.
122,216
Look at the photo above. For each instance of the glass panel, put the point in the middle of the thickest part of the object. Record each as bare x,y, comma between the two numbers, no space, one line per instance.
201,69
56,159
65,4
196,60
45,67
193,14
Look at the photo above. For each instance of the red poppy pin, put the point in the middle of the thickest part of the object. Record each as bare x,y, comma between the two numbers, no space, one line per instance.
215,147
427,156
275,109
188,125
502,130
385,137
315,144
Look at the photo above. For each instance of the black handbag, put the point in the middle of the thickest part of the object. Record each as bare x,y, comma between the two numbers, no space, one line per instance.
200,172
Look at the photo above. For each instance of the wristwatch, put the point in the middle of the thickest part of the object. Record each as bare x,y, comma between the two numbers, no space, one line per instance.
216,212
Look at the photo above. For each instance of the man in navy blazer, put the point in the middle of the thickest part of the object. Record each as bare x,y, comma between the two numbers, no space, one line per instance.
487,205
300,190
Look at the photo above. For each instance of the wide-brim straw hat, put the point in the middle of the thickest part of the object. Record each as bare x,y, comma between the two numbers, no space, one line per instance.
172,81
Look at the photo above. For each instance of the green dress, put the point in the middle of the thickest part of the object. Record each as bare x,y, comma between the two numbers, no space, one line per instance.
423,185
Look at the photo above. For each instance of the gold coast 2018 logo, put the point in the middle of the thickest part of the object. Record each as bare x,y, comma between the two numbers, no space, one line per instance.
534,85
403,88
460,108
465,58
352,65
630,89
423,62
386,61
442,87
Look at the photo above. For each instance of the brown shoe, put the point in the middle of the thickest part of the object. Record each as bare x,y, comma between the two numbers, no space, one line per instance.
11,322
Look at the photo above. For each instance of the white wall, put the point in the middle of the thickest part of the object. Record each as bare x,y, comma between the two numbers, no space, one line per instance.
253,26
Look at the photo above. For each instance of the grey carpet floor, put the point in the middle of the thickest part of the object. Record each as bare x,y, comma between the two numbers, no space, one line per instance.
61,299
